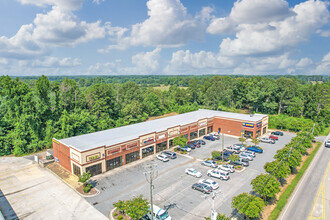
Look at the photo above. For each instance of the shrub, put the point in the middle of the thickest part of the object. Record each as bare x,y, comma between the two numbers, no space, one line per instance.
87,188
120,217
216,154
115,214
83,178
239,167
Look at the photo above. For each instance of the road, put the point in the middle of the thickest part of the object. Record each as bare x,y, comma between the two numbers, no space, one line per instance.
311,199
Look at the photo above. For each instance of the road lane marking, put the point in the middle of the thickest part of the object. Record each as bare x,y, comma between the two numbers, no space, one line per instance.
320,193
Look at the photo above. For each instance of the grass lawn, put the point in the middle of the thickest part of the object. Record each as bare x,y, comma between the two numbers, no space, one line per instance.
286,194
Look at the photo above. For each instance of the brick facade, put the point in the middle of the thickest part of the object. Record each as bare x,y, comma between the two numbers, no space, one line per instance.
67,156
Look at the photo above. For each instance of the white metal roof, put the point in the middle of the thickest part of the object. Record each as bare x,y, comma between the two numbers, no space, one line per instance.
122,134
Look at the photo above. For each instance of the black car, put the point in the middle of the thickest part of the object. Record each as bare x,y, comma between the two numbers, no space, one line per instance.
170,154
192,146
228,153
201,142
279,133
202,187
225,157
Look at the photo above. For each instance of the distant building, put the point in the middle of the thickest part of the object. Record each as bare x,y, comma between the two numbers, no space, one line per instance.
105,150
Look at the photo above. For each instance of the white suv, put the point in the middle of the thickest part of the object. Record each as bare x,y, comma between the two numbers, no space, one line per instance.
220,174
162,157
228,168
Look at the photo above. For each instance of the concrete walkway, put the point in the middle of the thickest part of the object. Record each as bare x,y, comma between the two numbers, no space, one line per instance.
28,191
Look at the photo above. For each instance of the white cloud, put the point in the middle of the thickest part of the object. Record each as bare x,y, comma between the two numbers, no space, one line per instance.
64,4
267,65
259,11
168,25
59,27
52,62
201,62
147,62
324,66
268,27
324,33
98,1
304,62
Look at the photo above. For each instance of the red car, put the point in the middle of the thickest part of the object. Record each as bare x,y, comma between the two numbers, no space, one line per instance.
273,137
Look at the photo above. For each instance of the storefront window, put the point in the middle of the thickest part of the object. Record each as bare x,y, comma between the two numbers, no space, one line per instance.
248,134
193,135
202,132
160,147
76,170
264,130
170,142
113,163
147,151
95,169
209,129
258,133
132,157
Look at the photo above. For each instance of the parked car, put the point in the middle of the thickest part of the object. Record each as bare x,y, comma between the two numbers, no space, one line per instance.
228,168
217,173
201,142
216,136
210,183
246,156
255,149
267,140
327,143
279,133
202,187
192,146
250,153
240,162
169,154
225,157
159,213
193,172
242,147
194,143
210,138
162,157
273,137
210,163
186,148
233,149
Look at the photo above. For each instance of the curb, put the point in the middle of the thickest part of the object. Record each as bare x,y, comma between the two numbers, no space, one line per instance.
97,191
239,171
111,214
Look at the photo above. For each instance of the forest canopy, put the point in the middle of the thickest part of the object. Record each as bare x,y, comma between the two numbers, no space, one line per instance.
34,110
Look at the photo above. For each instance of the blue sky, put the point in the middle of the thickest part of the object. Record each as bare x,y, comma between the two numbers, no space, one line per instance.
167,37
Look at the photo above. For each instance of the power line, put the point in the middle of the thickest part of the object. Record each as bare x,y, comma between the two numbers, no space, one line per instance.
150,174
263,183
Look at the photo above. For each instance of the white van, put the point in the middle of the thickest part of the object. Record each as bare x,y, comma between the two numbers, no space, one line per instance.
160,214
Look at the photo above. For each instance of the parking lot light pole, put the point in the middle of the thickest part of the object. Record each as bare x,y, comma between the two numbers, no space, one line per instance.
151,173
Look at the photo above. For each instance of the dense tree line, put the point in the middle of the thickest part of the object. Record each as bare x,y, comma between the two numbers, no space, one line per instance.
34,111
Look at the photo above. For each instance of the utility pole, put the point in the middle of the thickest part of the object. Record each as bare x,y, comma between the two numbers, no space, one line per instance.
214,214
150,174
223,145
313,128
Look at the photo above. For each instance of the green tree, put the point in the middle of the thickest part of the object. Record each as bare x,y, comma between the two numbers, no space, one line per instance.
279,169
233,157
137,208
242,140
249,205
267,186
180,141
256,141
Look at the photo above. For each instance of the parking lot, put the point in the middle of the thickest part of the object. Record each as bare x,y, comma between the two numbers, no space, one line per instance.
172,187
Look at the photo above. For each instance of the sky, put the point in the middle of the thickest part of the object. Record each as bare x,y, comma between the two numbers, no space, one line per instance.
164,37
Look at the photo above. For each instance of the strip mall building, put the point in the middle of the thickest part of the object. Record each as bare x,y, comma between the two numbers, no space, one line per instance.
105,150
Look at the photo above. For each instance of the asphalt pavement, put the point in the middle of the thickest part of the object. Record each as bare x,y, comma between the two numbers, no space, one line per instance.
311,199
172,187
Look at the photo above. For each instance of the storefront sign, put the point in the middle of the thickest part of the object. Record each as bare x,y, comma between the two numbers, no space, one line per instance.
148,140
259,125
248,125
161,136
94,157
